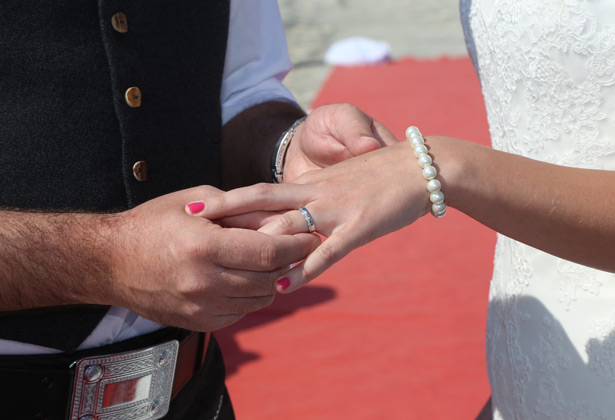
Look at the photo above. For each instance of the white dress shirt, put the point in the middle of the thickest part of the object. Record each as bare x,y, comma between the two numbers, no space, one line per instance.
256,62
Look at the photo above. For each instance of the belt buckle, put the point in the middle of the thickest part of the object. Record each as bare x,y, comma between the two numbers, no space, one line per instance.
132,385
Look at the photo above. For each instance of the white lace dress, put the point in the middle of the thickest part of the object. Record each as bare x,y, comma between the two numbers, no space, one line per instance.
547,69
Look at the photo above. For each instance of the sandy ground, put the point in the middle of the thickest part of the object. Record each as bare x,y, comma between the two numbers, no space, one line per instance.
417,28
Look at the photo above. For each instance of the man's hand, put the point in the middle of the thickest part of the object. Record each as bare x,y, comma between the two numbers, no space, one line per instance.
332,134
189,272
155,259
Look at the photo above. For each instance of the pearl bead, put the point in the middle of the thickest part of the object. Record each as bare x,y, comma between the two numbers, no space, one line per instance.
424,160
412,130
419,150
438,207
430,172
436,197
439,215
416,140
434,185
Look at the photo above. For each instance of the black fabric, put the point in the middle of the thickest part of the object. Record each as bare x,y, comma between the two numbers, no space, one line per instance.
38,387
205,397
62,328
175,55
61,143
68,140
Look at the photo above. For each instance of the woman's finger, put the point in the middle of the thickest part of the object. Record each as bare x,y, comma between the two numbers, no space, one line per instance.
289,223
254,220
268,197
328,253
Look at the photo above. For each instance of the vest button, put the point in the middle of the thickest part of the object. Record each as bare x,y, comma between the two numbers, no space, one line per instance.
139,170
119,22
133,97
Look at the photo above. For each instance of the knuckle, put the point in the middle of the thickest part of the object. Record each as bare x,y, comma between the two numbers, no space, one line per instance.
328,252
285,222
269,255
186,287
348,107
190,249
345,109
193,311
262,188
198,192
181,243
201,189
219,201
266,284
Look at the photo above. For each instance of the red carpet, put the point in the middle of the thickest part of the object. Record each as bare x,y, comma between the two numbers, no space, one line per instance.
396,330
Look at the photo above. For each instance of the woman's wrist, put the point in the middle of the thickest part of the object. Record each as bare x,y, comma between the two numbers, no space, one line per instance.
452,159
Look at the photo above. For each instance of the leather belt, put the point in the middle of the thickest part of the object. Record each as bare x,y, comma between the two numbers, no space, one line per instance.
136,378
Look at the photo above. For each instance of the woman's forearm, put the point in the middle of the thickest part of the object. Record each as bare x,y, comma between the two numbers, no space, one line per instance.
567,212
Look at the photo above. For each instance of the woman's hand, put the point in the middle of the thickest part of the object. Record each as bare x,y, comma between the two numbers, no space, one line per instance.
353,203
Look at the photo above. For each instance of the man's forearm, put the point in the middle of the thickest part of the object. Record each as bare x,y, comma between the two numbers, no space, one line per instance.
248,141
50,259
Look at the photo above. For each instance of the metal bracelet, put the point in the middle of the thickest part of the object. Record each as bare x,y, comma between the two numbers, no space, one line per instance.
279,152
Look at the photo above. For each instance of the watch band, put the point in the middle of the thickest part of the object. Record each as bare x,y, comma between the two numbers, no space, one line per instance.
279,152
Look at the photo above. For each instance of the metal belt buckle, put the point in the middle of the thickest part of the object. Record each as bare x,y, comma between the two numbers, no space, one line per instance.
133,385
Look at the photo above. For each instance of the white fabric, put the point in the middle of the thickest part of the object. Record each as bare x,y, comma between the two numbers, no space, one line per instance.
256,58
256,62
547,70
356,51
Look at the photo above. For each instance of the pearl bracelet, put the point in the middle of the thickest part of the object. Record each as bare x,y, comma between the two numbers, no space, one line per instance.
438,207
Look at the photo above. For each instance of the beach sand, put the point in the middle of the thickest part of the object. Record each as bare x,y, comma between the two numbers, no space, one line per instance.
414,28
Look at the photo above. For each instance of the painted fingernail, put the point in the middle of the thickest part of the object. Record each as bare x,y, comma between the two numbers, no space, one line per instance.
195,207
283,283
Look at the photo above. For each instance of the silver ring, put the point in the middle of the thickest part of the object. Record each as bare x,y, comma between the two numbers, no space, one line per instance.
308,219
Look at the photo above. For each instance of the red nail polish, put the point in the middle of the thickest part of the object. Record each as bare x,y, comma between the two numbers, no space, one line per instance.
283,283
196,207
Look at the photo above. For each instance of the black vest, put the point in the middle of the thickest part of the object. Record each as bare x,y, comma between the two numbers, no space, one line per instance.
69,139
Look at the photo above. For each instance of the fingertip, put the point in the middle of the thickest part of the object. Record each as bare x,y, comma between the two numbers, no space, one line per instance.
287,285
195,208
282,285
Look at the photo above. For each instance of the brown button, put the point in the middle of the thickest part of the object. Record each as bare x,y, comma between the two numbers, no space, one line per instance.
139,170
119,22
133,97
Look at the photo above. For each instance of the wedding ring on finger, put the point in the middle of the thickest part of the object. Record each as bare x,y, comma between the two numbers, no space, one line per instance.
308,219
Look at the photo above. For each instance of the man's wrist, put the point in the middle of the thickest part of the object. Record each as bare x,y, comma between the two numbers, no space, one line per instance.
248,139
